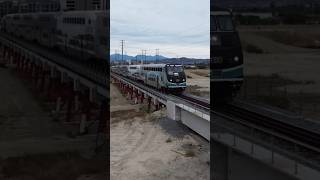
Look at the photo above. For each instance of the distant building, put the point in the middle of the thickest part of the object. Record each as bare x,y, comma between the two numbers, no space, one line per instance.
8,7
26,6
69,5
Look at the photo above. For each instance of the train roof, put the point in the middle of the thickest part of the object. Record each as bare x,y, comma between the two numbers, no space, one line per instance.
159,65
31,14
220,13
60,13
148,65
84,12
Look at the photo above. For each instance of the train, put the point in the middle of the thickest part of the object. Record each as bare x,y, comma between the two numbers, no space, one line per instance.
226,62
168,78
78,34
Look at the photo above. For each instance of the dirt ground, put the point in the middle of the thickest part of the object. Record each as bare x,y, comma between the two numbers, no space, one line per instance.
198,81
28,131
149,146
285,60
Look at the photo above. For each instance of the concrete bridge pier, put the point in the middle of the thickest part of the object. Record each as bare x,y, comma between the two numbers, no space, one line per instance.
230,164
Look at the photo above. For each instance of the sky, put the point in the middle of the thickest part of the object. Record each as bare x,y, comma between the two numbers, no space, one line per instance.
178,28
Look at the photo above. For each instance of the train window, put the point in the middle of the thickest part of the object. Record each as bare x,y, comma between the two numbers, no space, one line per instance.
89,21
225,23
104,22
103,40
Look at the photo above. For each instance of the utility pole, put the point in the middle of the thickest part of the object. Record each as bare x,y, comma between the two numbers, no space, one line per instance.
145,56
116,55
141,56
122,42
129,59
157,56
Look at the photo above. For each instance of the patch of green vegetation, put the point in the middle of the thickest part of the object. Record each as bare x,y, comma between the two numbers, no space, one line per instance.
277,101
250,48
169,140
189,153
294,38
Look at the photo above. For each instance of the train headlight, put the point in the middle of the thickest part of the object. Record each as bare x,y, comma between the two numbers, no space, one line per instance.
183,80
170,80
215,40
236,59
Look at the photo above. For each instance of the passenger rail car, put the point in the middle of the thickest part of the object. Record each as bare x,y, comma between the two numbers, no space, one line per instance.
226,56
164,77
79,34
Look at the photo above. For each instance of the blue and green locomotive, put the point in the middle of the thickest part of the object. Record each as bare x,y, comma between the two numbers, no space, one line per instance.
226,56
164,76
169,78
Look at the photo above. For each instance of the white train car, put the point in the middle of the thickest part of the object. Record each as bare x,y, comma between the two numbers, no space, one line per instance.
135,72
83,34
45,29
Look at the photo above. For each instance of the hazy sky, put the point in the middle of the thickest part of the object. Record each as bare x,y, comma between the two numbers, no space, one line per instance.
176,27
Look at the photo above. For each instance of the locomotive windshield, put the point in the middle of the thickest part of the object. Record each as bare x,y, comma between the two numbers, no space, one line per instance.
175,74
222,23
174,69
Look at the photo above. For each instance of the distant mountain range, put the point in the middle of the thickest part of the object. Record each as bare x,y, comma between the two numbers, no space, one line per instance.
161,59
118,57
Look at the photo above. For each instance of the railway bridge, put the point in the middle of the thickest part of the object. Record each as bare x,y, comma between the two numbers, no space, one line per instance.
191,111
255,141
77,92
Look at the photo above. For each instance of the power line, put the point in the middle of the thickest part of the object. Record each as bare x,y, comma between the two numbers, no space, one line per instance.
157,55
145,56
122,43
